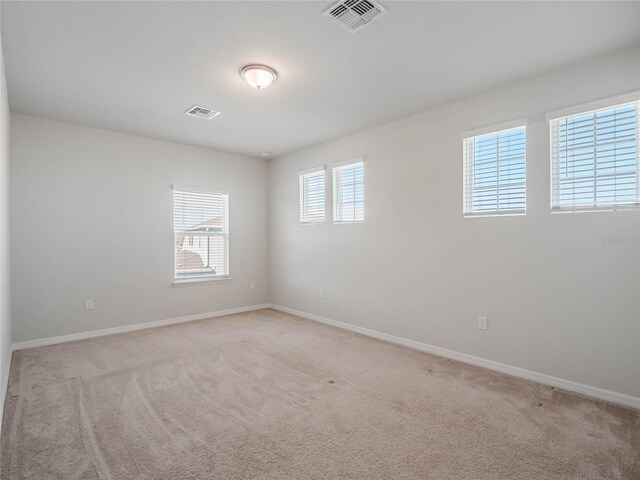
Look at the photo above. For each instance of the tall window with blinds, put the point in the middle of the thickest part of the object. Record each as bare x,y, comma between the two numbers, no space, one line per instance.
495,173
348,192
594,159
201,235
312,191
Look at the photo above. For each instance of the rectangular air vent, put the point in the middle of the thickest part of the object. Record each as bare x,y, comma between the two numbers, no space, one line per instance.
353,15
201,112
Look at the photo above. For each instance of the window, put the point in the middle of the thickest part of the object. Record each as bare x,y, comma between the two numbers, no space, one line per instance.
312,196
348,192
495,173
201,231
594,159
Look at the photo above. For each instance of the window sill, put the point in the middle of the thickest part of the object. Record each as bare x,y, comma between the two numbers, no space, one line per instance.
494,214
603,208
187,281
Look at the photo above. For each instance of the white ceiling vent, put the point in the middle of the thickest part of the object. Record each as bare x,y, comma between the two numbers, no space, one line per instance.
352,15
201,112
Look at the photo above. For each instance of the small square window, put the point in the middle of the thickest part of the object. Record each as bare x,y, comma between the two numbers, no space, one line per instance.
312,192
348,192
495,173
594,159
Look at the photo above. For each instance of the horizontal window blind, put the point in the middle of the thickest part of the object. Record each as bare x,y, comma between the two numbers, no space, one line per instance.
495,173
348,192
201,231
594,159
312,191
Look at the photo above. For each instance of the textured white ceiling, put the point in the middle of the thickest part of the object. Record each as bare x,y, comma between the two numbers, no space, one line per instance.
136,67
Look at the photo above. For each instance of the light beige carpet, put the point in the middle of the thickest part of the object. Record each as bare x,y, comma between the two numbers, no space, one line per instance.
266,395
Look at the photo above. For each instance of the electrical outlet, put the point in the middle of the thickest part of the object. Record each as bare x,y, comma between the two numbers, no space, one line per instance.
252,285
483,323
88,304
322,293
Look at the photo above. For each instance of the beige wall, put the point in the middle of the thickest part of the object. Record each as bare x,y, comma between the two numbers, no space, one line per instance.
92,218
5,309
560,301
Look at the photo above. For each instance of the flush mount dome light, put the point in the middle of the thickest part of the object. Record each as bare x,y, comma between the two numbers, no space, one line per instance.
259,76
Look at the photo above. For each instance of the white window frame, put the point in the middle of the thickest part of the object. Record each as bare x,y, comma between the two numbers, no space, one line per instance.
585,109
202,278
466,176
334,199
301,199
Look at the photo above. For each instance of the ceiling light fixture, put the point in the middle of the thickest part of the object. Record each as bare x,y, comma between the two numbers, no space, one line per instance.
259,76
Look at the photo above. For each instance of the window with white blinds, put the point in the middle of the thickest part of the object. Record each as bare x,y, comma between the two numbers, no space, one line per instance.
495,173
312,191
594,159
201,234
348,192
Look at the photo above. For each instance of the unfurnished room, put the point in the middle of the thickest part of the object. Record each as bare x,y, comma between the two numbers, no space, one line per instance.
324,240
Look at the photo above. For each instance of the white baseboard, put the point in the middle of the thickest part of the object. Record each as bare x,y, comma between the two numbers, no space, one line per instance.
129,328
5,387
587,390
582,389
